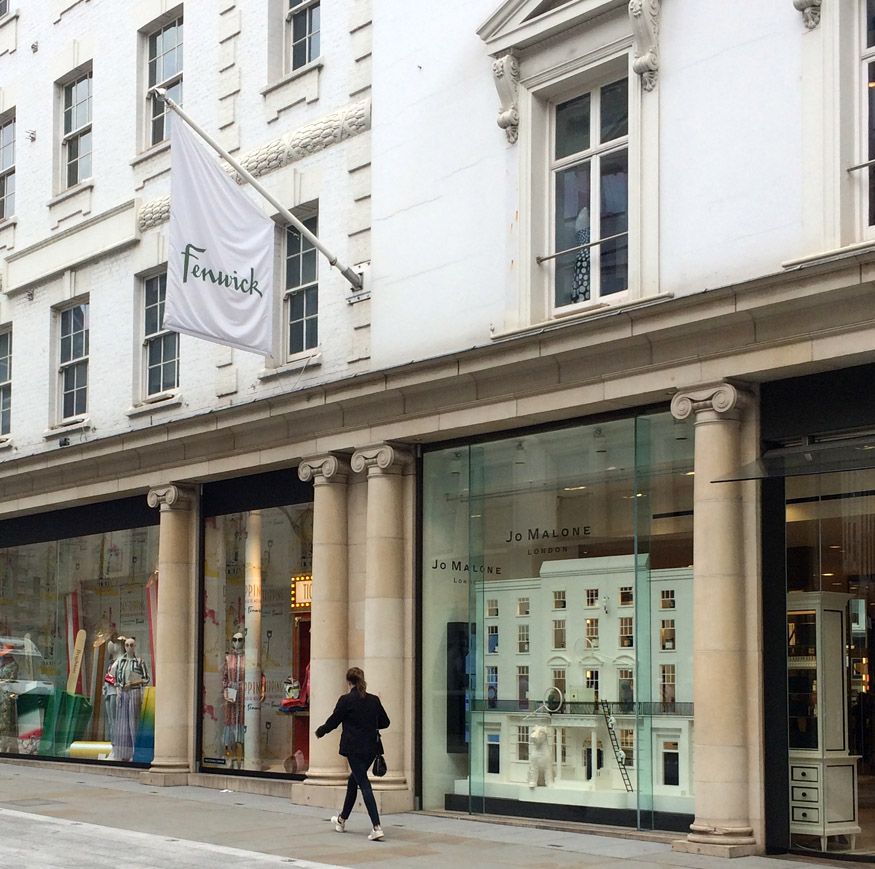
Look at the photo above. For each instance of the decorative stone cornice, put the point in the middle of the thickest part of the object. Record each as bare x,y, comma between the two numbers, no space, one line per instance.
327,468
810,10
380,458
721,398
171,497
506,73
343,124
644,15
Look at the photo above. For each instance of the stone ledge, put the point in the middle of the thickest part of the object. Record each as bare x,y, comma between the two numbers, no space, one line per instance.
163,779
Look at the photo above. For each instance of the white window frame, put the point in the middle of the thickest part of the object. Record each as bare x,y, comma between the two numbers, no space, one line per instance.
559,600
667,599
627,591
626,635
492,631
156,110
560,628
559,679
306,11
74,137
157,338
4,8
5,382
591,681
522,672
72,365
667,635
592,156
492,608
625,674
667,676
626,739
592,597
523,606
522,742
7,165
301,286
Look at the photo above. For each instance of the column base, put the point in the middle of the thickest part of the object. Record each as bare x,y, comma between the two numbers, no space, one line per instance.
330,777
718,841
165,778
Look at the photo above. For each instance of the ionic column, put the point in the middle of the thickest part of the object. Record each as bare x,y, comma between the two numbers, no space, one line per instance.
174,633
330,603
384,593
722,825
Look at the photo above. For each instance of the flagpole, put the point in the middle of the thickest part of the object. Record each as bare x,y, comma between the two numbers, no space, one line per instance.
354,278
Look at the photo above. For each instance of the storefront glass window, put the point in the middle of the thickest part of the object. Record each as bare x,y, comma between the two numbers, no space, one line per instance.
830,563
256,660
580,532
77,646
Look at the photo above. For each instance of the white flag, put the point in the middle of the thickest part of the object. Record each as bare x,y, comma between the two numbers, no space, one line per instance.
220,264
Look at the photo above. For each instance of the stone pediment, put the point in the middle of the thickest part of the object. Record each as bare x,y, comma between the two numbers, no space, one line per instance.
518,24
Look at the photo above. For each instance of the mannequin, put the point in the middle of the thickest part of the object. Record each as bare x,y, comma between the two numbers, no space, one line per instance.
114,649
580,282
131,676
233,684
8,709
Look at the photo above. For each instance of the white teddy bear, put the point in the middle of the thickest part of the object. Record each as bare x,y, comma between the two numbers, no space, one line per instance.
540,756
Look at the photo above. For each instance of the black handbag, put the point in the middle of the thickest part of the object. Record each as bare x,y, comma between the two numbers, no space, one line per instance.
379,769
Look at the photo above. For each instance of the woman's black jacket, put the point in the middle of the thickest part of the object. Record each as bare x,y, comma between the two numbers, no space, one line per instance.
361,718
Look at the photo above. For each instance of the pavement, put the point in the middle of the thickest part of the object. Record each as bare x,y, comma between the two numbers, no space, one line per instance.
68,818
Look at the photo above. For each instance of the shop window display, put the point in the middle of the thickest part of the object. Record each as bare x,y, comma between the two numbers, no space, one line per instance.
585,532
77,646
256,665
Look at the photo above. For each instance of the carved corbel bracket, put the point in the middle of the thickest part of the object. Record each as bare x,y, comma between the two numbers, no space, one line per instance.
644,15
506,72
324,469
810,10
171,497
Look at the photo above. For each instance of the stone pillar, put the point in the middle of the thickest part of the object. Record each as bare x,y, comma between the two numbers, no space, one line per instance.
174,637
330,603
384,663
252,666
722,826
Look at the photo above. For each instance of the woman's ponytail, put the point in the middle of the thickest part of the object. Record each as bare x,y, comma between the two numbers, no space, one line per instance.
356,678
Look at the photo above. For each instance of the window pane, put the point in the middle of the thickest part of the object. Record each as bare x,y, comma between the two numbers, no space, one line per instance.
170,381
296,306
154,384
312,333
615,110
615,219
296,336
312,302
299,54
572,126
572,229
871,156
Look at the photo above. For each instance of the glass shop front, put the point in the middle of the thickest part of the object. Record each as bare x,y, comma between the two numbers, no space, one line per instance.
557,624
78,598
257,575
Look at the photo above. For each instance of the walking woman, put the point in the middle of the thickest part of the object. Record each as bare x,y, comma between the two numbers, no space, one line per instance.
361,716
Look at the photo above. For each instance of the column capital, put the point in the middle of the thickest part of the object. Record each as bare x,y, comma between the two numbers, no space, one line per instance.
380,459
723,398
323,469
171,496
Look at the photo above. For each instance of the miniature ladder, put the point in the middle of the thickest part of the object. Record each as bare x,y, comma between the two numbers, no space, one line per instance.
613,734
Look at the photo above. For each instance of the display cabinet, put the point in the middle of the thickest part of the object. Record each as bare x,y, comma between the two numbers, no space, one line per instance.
823,772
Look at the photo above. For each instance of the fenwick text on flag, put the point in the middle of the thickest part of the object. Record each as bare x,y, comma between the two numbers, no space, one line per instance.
220,263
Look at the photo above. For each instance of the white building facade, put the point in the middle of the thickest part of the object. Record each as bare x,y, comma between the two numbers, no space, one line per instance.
587,454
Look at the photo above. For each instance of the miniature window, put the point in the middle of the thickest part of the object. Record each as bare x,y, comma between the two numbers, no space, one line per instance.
667,683
559,600
592,597
491,686
522,742
626,688
522,606
592,682
492,638
666,599
627,633
627,596
666,635
491,608
522,638
557,676
592,633
670,763
559,633
522,684
627,745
